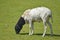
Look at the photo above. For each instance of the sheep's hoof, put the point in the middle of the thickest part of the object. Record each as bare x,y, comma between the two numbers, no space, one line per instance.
30,34
51,34
43,36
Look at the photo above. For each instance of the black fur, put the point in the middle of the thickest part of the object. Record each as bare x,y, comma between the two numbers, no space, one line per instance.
19,25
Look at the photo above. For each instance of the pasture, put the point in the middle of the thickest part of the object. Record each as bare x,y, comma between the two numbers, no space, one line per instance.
10,12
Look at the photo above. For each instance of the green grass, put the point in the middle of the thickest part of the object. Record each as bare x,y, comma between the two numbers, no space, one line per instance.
10,12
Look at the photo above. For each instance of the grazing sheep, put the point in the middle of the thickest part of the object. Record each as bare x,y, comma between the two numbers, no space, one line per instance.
36,14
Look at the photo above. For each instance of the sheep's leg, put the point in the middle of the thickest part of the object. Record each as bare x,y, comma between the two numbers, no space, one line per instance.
50,27
45,27
30,28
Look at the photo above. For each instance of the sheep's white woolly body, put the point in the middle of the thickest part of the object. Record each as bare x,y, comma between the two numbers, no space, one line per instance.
37,14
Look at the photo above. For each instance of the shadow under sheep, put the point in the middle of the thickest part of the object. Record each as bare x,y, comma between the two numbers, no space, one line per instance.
40,34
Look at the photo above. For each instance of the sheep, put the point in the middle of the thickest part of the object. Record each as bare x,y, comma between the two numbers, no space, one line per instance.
35,15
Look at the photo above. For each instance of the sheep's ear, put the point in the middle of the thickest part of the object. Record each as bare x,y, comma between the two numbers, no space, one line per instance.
21,18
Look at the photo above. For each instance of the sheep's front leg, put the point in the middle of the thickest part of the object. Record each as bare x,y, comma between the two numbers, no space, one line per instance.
45,27
30,27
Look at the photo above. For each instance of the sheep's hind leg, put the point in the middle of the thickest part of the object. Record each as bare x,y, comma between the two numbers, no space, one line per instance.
50,25
45,27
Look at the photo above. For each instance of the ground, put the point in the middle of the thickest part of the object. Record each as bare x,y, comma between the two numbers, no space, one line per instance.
11,11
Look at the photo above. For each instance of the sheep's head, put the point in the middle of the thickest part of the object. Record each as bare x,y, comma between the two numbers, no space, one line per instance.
19,25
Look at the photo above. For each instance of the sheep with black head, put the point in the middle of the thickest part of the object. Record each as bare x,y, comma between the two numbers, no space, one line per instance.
35,15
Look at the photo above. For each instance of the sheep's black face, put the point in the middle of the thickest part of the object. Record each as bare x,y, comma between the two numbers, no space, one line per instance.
19,25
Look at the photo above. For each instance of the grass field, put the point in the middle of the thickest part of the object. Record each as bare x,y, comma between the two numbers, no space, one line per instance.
10,12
